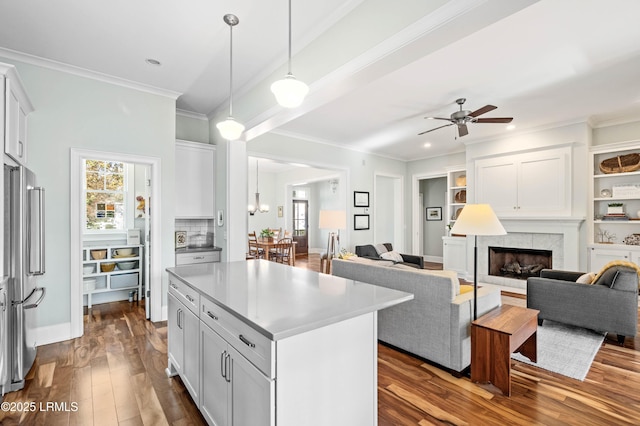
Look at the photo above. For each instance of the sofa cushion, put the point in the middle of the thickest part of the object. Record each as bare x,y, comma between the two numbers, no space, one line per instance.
370,261
392,255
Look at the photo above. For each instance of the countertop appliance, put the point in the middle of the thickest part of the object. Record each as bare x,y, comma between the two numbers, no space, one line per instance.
23,261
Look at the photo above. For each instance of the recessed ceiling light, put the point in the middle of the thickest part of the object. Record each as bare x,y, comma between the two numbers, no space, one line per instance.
511,126
152,61
427,145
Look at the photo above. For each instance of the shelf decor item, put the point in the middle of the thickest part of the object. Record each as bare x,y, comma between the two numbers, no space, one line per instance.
461,180
461,196
107,267
98,254
621,164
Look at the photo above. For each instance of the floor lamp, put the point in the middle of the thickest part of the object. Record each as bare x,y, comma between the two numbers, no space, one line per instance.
332,220
477,219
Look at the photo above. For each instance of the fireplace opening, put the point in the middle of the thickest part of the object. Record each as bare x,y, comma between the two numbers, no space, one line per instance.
517,262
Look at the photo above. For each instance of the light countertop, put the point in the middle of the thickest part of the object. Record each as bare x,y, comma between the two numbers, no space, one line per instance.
280,301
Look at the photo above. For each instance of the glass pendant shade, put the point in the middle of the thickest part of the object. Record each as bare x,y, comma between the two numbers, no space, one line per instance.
230,129
289,91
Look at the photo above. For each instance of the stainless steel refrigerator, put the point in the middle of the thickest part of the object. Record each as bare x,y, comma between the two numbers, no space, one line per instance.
23,261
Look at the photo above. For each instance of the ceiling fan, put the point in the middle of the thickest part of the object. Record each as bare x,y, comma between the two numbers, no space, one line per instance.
462,117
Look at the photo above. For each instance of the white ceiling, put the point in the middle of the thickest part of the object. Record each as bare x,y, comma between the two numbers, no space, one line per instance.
545,63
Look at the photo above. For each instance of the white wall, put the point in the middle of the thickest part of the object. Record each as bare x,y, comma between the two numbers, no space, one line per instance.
72,111
358,167
434,195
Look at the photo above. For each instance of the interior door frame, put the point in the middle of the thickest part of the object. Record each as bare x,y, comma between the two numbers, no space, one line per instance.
76,226
416,208
306,221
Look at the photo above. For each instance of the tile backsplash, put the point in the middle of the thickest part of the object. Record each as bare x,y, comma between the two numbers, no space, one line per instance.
198,230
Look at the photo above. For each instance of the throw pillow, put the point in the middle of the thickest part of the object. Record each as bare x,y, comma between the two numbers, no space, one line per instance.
587,278
380,248
392,255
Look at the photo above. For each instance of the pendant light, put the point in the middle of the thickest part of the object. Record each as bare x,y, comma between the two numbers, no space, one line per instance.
230,129
289,92
257,207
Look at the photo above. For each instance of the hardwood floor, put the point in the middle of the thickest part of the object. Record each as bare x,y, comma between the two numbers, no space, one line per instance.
114,374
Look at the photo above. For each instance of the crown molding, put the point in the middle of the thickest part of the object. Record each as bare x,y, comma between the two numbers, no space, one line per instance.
82,72
191,114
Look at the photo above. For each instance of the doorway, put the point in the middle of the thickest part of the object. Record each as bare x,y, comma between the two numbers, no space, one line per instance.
388,215
152,240
301,226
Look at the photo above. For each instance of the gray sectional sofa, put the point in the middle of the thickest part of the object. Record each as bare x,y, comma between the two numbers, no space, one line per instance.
435,325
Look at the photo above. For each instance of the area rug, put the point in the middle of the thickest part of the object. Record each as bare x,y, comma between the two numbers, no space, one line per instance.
565,349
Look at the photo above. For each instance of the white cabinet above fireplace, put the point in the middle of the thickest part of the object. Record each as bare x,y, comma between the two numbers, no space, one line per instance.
533,184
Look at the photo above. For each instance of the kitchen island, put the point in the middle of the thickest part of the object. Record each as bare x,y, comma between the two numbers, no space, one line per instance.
261,343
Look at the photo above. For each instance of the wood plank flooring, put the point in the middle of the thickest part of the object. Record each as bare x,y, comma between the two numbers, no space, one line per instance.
114,375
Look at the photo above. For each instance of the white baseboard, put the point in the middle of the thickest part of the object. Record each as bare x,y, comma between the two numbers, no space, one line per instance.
53,333
435,259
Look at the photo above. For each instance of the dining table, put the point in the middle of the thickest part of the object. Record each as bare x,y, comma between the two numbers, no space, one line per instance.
267,244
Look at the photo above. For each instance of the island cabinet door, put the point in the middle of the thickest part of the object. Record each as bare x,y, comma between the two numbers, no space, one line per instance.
191,355
215,401
253,394
175,336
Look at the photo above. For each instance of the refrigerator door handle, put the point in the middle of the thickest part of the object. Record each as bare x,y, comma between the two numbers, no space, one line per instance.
40,236
35,305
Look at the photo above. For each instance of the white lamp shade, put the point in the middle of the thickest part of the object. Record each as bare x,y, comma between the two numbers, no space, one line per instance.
478,219
289,91
230,129
332,219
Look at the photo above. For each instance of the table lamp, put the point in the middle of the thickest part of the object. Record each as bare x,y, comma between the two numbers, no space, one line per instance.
477,219
332,219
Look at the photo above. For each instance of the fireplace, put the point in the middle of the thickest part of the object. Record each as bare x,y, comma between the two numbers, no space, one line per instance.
518,263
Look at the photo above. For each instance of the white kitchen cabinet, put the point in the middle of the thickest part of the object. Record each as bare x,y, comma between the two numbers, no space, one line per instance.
183,348
13,112
234,392
454,255
531,184
195,180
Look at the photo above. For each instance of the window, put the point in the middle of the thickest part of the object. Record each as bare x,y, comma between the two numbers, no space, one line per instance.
105,184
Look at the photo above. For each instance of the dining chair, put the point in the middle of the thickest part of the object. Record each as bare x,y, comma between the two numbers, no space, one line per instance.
281,251
254,252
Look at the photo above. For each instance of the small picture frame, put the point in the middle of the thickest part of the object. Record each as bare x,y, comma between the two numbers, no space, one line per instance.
280,211
360,222
360,199
181,239
434,213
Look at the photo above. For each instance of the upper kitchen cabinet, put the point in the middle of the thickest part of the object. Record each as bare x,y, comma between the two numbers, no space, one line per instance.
195,189
532,184
13,111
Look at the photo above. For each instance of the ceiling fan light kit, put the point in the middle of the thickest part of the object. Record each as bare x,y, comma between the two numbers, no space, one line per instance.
289,91
230,129
462,117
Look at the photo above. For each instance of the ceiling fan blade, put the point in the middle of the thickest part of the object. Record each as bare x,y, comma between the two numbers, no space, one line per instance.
436,128
438,118
485,109
462,130
494,120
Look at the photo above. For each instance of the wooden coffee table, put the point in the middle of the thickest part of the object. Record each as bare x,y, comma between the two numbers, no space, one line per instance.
495,336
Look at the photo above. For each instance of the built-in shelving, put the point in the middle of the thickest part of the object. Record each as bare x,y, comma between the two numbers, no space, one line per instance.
117,279
607,237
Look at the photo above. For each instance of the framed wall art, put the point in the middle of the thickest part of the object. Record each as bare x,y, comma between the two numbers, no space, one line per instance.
360,222
434,213
360,199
